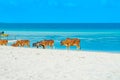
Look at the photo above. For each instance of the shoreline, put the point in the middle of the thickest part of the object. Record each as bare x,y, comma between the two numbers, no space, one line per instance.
62,32
56,49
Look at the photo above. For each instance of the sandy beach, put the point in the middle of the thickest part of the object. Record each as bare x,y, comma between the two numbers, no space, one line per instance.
45,64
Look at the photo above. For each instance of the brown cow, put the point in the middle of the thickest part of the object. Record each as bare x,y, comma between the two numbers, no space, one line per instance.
15,45
71,42
3,42
21,43
37,44
44,43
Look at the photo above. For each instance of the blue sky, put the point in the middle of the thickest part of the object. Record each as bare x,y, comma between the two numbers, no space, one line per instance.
60,11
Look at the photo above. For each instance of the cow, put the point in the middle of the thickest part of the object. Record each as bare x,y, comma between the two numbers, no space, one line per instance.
36,44
21,43
15,45
44,43
71,42
3,42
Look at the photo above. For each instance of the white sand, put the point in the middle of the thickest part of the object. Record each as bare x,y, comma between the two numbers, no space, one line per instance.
39,64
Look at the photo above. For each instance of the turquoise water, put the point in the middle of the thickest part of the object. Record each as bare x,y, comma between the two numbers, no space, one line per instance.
97,41
93,36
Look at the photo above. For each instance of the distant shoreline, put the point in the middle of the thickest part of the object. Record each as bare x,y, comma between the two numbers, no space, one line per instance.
65,27
99,32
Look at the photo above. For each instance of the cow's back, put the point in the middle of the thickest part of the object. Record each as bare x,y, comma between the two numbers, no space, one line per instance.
3,42
72,42
47,42
75,41
23,42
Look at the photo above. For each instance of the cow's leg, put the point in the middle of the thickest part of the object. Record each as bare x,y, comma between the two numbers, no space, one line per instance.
68,47
51,46
37,46
20,45
28,45
78,47
23,45
44,47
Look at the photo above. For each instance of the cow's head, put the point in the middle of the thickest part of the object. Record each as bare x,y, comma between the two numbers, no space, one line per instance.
62,42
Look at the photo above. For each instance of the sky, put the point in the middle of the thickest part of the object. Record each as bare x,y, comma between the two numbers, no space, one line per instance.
60,11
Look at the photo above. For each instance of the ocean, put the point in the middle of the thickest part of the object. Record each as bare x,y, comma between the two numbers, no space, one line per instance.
94,37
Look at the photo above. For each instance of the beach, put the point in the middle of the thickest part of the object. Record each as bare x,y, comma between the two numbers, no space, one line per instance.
18,63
